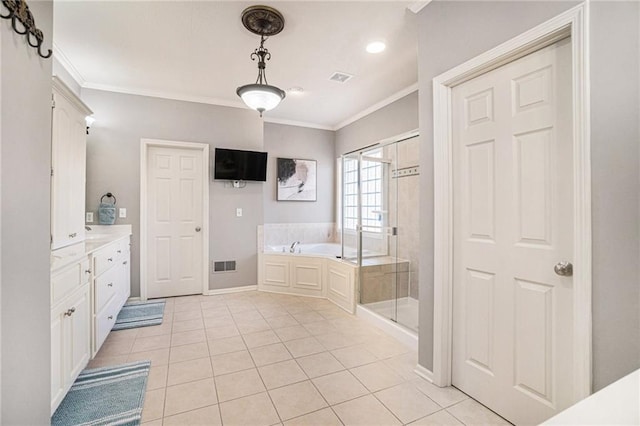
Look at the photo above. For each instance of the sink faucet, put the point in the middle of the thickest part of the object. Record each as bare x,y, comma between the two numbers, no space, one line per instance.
88,228
293,247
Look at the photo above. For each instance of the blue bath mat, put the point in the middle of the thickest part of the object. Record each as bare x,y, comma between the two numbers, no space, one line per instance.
140,314
105,396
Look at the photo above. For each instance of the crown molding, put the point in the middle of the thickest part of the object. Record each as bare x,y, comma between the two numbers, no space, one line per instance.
383,103
63,59
297,123
417,6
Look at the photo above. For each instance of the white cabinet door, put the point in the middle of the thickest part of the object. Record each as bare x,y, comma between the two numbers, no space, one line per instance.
58,389
77,331
68,164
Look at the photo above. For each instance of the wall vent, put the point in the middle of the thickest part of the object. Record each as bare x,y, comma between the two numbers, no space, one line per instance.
223,266
340,77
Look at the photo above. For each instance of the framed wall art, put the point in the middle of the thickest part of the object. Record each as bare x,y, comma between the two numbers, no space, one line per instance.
296,180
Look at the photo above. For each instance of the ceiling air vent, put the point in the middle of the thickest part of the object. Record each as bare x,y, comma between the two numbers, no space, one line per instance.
340,77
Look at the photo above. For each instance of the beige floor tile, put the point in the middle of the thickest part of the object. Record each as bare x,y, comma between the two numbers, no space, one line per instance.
281,374
272,312
189,371
407,402
126,334
182,307
231,362
155,330
239,307
216,312
307,316
334,340
189,352
106,361
319,364
404,365
157,356
144,344
188,325
255,410
190,396
269,354
153,405
320,327
226,345
297,399
365,411
386,347
236,385
247,316
376,376
339,387
304,347
324,417
157,422
187,315
188,337
157,377
440,418
252,326
116,347
444,397
222,331
261,338
471,412
291,333
353,356
281,321
201,417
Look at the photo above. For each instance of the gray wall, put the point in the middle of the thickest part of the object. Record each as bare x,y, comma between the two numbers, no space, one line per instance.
113,164
304,143
26,160
451,33
394,119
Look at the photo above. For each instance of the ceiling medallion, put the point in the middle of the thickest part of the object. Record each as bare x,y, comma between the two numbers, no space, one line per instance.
264,21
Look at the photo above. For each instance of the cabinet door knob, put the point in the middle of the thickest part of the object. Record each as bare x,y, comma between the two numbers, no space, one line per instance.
87,271
69,312
124,263
110,285
73,235
110,259
119,251
110,317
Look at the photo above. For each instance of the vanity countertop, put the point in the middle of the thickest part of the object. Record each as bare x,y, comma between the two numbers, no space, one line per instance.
99,236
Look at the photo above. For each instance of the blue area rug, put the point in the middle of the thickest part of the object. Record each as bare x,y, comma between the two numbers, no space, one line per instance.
140,314
105,396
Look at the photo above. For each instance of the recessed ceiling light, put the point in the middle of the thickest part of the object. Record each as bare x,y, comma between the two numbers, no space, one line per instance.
376,47
295,91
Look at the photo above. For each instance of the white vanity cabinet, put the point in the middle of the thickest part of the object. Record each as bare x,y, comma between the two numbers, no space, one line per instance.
70,326
68,166
111,287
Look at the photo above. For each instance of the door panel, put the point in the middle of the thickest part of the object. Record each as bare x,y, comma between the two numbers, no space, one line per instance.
175,245
512,326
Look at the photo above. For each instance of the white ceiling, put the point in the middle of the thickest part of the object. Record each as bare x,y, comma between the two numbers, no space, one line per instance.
199,51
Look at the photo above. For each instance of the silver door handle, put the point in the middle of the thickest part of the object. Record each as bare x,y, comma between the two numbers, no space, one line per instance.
564,269
198,229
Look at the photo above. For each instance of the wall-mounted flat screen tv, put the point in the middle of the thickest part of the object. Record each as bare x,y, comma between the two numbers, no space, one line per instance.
233,164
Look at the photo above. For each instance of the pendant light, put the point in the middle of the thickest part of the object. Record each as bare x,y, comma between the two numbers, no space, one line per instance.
264,21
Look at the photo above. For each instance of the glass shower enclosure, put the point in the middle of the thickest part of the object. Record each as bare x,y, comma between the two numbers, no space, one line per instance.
380,229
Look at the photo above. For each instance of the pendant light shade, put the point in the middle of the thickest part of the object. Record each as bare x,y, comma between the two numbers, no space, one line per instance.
261,97
264,21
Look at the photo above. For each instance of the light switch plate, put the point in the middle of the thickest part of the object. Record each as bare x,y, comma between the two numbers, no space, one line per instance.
122,213
89,217
238,212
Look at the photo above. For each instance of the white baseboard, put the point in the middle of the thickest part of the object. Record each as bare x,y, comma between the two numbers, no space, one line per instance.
424,373
232,290
133,299
394,330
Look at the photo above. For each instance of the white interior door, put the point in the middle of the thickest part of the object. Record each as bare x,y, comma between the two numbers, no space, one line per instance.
174,221
513,195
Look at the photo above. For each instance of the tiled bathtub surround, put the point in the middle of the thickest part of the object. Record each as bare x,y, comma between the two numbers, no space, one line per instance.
277,234
262,359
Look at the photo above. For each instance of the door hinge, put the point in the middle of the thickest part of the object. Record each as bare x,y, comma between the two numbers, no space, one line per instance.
53,102
52,171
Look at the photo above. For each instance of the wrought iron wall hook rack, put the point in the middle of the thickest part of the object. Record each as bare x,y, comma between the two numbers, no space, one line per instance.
19,12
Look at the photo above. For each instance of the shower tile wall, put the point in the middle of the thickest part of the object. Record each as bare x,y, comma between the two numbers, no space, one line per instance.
407,213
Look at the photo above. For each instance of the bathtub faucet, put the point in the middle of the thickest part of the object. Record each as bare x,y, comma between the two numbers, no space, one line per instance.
293,247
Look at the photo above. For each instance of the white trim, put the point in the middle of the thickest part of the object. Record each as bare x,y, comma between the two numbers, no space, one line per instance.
373,108
134,299
394,330
144,147
297,123
424,373
573,22
231,290
417,6
65,91
63,59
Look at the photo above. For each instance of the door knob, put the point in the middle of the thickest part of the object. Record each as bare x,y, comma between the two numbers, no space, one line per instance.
198,229
564,269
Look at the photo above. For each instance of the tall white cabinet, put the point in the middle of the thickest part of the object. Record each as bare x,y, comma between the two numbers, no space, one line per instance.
68,166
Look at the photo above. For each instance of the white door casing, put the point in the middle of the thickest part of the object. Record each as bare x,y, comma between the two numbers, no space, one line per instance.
512,162
174,219
572,23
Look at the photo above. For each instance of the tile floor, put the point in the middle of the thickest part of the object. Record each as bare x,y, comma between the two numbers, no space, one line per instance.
257,358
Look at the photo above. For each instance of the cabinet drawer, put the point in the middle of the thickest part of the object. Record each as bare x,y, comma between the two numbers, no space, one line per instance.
105,258
106,287
105,321
69,279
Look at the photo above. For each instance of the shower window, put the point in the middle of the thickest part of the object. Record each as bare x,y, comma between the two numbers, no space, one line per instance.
371,192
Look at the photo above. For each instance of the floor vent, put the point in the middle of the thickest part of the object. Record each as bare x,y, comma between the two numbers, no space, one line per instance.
223,266
340,77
